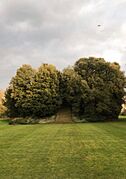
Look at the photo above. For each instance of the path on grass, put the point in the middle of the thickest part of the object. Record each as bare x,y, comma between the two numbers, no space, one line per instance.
64,116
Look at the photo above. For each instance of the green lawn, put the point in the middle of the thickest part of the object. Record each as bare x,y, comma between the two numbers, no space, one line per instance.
63,151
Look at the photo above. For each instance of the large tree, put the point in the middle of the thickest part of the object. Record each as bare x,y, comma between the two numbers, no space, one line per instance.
46,92
34,92
19,95
106,83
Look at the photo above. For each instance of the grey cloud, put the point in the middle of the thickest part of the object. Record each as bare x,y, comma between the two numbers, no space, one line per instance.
59,32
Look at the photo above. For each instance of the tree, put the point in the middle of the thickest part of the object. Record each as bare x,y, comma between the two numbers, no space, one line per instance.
74,90
106,83
92,88
34,92
46,92
18,95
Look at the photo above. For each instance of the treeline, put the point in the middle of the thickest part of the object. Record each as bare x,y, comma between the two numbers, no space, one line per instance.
92,88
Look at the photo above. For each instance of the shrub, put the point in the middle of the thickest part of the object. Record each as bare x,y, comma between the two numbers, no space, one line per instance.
23,121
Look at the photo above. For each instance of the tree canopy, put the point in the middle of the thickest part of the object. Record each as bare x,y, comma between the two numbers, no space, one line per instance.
18,94
33,92
93,88
45,91
106,83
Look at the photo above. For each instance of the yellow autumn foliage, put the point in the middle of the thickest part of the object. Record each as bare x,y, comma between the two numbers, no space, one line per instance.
2,107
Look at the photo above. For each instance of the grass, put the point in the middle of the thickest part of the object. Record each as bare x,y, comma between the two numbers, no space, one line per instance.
122,117
63,151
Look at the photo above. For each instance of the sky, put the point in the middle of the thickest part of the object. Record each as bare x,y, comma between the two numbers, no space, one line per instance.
60,32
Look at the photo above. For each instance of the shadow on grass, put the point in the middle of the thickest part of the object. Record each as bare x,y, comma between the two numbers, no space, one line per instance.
120,119
4,121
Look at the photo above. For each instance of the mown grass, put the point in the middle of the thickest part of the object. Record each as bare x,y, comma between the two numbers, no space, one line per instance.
63,151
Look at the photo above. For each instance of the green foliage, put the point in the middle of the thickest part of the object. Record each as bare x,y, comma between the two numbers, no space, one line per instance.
75,90
93,88
10,103
46,93
18,95
33,93
106,83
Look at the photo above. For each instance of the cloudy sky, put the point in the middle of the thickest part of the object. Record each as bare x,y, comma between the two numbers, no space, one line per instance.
60,32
